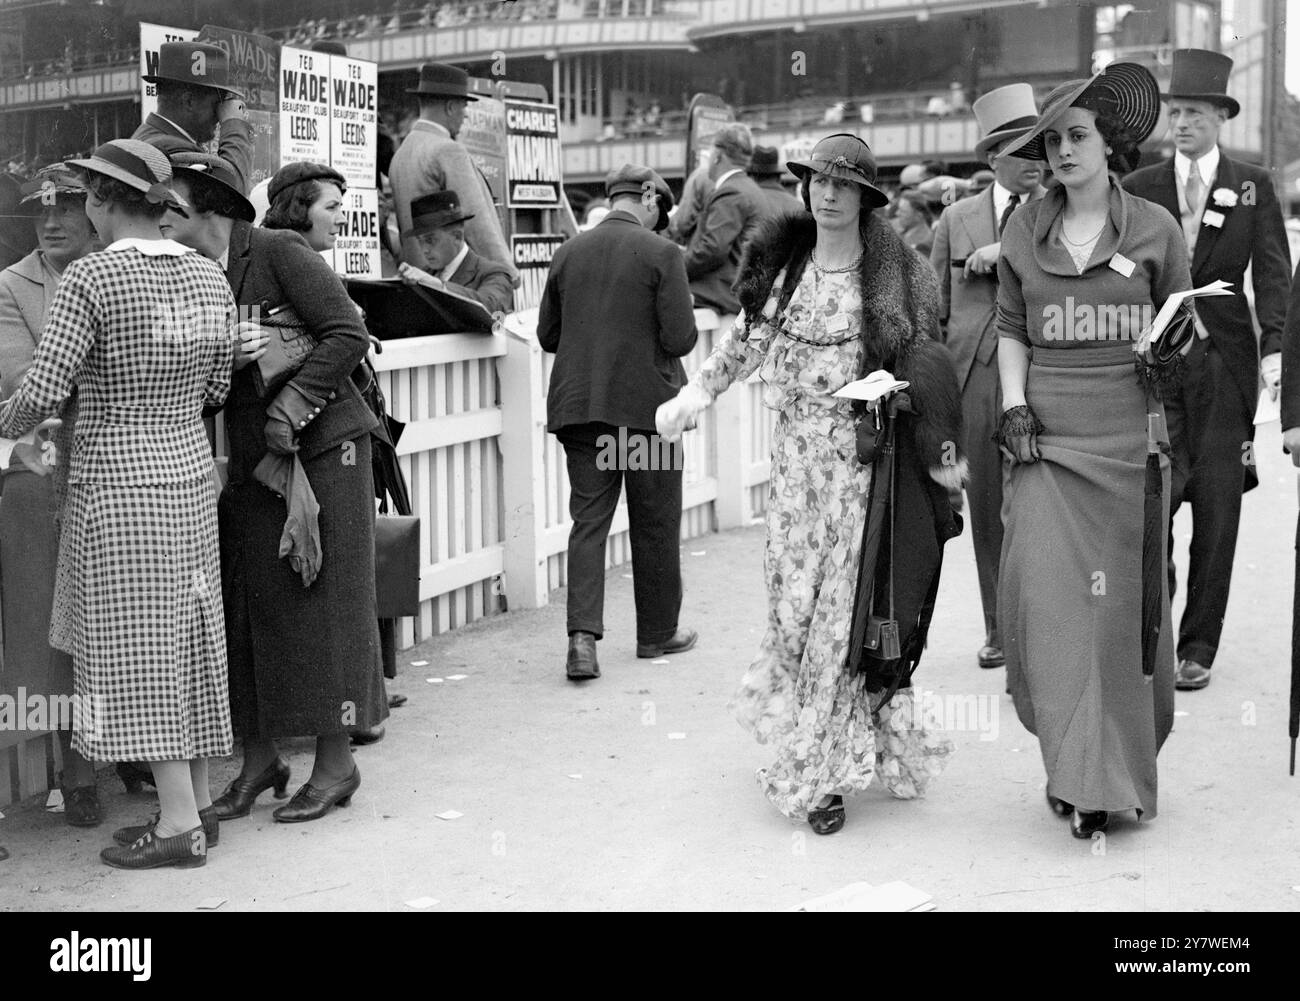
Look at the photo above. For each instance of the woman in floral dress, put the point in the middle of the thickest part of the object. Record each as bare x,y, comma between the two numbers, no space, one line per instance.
828,297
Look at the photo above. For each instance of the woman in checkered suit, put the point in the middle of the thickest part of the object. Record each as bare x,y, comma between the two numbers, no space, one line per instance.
142,331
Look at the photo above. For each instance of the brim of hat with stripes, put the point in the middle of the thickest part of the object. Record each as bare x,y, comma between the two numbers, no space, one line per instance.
1132,89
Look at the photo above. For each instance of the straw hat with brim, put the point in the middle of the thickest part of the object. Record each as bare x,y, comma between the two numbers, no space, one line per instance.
57,179
848,158
208,169
1128,88
137,165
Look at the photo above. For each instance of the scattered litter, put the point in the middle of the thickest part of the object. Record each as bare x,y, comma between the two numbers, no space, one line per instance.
434,681
419,663
457,677
627,576
422,903
1181,712
698,552
450,815
1250,566
209,903
1296,888
677,736
756,521
760,875
894,897
661,660
54,803
1015,750
575,776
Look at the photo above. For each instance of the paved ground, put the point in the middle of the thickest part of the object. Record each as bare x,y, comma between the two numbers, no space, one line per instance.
637,791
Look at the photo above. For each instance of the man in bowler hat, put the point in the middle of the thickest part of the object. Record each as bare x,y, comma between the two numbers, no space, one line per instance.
196,102
438,224
965,252
1231,219
429,159
617,314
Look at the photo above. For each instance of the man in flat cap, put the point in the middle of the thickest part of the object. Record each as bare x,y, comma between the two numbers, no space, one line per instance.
429,159
196,102
617,314
1231,219
438,224
967,242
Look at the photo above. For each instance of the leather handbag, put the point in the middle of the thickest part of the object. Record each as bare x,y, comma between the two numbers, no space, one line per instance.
397,565
288,346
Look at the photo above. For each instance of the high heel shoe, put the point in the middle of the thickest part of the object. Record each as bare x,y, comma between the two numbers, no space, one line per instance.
237,800
133,777
1086,823
310,803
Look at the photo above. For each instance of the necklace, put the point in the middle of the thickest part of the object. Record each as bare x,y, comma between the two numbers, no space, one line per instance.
836,271
1085,242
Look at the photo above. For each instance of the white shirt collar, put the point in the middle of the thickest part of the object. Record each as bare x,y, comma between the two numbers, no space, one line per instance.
723,177
224,260
178,128
446,273
434,126
1207,166
1001,196
151,248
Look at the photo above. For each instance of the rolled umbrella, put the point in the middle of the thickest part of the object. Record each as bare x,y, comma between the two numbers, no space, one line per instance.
1154,532
1294,722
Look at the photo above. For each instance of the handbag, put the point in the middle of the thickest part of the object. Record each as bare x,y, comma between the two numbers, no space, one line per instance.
397,535
287,348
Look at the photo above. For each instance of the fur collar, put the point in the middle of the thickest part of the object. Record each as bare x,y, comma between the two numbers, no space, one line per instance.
900,291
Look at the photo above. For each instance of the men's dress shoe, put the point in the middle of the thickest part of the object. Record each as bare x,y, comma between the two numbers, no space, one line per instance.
396,701
237,800
81,807
829,819
991,656
186,850
362,736
1086,823
310,803
1059,806
680,643
208,820
1191,676
581,664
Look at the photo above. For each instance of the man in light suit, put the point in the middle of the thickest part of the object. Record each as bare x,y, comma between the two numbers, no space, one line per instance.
438,223
429,159
1231,219
967,242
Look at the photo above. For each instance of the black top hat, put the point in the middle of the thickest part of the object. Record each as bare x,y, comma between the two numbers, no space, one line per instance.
194,63
441,80
429,212
302,170
209,169
848,158
766,162
1202,75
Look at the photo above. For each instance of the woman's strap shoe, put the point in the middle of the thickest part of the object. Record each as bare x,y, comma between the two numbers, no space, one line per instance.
1086,823
829,819
237,800
208,820
186,850
310,803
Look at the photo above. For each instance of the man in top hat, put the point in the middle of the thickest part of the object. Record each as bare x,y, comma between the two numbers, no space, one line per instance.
1231,219
616,311
196,102
429,159
438,225
765,170
967,242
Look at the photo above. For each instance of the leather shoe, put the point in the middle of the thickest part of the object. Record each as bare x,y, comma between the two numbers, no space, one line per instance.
829,819
186,850
682,641
396,701
208,820
364,735
81,806
237,800
991,656
1086,823
1059,806
310,803
1191,676
581,664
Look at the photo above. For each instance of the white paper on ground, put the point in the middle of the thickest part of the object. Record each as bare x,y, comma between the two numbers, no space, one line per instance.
209,903
677,736
663,661
700,552
457,677
419,663
1268,409
54,802
434,681
420,903
575,776
450,815
894,897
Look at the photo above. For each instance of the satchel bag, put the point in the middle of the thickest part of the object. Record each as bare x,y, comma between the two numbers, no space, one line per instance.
397,535
288,346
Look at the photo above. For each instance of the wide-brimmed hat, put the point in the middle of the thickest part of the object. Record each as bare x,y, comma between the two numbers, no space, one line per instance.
52,181
303,170
1006,113
430,212
766,162
209,169
848,158
1127,89
1202,75
442,80
194,63
137,165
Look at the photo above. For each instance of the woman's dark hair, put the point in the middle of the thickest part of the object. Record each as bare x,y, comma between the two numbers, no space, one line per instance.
864,214
1124,152
130,200
290,208
209,196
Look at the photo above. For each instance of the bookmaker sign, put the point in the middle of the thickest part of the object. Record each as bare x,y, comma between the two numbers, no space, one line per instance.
533,172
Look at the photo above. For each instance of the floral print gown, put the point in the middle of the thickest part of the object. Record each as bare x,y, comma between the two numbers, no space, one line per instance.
797,695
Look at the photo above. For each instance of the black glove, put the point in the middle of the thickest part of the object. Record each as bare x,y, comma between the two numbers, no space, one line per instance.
1017,435
279,437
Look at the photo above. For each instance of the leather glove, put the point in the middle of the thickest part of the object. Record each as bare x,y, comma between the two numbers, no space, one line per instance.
679,413
1270,371
279,437
1017,436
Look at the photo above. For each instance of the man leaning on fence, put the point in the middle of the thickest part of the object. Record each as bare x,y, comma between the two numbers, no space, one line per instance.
617,314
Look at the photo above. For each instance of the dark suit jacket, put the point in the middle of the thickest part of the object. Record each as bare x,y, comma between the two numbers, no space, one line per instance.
269,268
1249,232
616,311
235,147
732,213
489,282
1291,358
779,201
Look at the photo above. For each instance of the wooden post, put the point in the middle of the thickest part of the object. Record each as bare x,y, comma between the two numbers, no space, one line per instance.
523,486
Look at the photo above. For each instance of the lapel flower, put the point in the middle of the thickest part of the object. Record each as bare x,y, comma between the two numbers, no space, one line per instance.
1225,197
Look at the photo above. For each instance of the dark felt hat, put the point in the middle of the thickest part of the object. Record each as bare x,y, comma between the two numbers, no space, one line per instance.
204,168
430,212
1202,75
848,158
766,162
303,170
442,80
196,63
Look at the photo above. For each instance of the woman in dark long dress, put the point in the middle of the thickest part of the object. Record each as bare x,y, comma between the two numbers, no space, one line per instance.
1082,273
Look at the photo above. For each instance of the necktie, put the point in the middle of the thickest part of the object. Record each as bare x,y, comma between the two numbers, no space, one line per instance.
1006,213
1195,190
